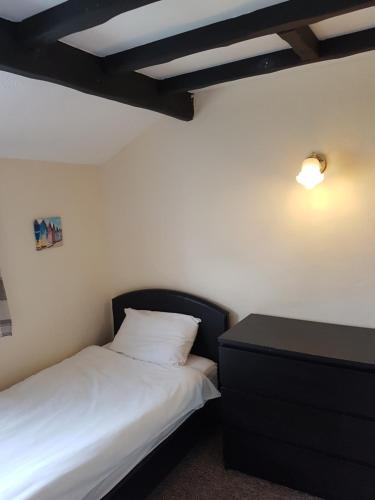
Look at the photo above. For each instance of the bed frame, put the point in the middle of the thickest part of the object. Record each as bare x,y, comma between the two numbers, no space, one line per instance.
152,469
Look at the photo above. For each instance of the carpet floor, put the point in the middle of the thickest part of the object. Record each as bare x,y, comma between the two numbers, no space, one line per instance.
201,476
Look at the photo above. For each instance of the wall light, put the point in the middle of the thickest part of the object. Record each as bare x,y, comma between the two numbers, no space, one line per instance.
312,171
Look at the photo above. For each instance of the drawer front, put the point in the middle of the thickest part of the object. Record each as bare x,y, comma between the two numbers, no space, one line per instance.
341,435
297,467
329,387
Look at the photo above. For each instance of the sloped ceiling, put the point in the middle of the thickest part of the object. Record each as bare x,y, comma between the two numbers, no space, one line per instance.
48,122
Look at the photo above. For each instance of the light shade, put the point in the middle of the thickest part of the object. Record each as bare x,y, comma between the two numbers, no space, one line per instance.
311,173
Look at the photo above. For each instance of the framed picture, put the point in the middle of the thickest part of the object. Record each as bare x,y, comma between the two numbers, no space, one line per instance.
48,232
5,321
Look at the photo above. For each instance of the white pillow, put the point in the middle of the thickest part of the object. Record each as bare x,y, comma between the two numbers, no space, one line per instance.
157,337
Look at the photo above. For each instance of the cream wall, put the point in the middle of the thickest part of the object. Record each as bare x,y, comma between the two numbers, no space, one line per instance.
212,206
58,297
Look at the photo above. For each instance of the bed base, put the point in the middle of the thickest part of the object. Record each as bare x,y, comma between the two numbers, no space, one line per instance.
143,479
140,482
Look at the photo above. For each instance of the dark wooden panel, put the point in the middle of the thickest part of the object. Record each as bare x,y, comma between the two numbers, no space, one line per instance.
329,432
284,16
245,68
64,65
299,468
326,387
72,16
303,42
333,48
308,339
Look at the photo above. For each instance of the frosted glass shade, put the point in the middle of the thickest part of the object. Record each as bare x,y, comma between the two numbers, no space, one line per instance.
311,173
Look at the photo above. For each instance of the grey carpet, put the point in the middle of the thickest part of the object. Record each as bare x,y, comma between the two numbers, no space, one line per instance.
201,476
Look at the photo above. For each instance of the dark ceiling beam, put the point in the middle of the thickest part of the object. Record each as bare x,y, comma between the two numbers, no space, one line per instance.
303,42
333,48
73,16
281,17
64,65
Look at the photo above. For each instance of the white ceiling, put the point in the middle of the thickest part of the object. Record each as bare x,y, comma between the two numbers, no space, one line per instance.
17,10
49,122
215,57
42,121
168,17
348,23
159,20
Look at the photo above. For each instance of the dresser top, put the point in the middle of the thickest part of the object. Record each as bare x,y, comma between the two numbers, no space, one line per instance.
336,343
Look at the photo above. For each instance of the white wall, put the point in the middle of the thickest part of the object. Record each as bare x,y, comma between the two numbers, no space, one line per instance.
58,298
212,206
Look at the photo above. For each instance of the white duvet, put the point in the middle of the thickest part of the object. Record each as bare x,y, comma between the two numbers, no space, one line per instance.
66,429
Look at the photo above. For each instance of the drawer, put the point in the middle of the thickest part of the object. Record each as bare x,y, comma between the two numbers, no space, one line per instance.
333,433
297,467
331,387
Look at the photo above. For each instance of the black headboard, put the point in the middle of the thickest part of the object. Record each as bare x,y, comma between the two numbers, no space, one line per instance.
214,318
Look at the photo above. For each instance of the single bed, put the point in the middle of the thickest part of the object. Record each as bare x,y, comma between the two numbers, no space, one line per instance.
103,425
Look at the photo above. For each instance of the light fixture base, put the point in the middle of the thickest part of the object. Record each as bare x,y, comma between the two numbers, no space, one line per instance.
322,160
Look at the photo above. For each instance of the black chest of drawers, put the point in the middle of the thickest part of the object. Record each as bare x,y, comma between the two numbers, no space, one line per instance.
298,405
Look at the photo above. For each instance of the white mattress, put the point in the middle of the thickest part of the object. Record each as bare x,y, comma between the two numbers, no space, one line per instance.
205,366
74,430
123,469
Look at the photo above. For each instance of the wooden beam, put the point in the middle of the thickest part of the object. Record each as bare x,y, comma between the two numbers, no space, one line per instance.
73,16
303,41
333,48
281,17
64,65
